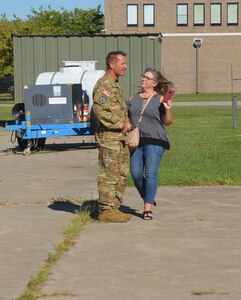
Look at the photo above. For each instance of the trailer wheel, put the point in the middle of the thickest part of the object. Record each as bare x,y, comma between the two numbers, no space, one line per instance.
35,143
39,143
22,143
18,112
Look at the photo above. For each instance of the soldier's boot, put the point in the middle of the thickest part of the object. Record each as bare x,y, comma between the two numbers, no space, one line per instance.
113,216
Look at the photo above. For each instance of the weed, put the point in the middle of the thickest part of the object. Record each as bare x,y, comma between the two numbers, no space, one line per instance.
71,230
8,203
201,293
209,292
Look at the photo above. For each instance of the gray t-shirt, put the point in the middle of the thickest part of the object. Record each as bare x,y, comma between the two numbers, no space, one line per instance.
152,130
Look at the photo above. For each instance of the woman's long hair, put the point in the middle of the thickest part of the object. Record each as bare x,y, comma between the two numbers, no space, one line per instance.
162,83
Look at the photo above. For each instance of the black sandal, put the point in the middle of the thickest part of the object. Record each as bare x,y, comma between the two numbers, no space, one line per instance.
147,215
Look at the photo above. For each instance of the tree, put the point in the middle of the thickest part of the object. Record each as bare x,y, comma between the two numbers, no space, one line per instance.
46,21
78,21
7,28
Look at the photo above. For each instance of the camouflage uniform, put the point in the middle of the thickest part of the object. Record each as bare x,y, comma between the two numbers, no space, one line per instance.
110,109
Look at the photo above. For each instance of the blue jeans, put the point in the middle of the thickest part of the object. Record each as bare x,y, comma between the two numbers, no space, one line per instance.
144,164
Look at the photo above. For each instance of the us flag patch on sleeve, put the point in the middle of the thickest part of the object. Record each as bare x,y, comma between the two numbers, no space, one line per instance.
106,93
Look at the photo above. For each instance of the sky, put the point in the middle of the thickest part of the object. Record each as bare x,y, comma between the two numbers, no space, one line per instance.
21,8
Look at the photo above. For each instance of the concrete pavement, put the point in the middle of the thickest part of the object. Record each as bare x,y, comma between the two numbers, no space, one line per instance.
27,234
30,226
66,168
191,248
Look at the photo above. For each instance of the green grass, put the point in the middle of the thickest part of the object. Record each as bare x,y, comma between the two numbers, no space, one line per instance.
6,97
205,149
5,113
204,97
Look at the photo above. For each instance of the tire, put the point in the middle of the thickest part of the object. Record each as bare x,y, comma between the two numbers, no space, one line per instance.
22,143
39,143
35,143
18,112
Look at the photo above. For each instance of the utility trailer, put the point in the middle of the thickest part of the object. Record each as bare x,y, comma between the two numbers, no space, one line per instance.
59,104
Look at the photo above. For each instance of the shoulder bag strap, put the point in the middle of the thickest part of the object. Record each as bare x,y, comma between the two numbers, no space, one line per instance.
142,111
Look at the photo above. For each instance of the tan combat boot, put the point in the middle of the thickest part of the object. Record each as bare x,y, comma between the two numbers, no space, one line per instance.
113,216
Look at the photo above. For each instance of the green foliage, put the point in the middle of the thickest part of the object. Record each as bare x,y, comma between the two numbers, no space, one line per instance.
46,21
6,57
7,28
78,21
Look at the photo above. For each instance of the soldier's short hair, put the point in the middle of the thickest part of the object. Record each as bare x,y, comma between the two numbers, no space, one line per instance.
112,56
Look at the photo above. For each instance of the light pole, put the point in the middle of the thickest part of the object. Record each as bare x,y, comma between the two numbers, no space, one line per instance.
160,40
197,44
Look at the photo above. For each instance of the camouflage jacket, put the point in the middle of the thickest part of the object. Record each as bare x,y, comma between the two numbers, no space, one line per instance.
110,110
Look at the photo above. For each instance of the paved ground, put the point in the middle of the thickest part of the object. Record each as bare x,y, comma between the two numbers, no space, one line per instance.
191,247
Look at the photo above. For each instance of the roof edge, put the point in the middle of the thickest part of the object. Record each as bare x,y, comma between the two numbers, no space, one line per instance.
87,35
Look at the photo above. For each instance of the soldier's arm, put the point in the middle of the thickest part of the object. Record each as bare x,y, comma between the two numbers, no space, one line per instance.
107,110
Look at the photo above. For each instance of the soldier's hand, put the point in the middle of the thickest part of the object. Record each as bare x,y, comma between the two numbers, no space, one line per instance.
127,127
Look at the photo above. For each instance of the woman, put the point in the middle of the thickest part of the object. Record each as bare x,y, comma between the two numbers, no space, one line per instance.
145,159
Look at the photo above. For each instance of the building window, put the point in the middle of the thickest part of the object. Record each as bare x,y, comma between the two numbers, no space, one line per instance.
199,14
132,15
182,16
216,14
232,10
149,14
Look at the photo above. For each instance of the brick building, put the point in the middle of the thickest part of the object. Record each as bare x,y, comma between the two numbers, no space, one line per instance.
215,66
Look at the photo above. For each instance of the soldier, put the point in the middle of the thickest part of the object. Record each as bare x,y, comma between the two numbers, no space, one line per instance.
112,124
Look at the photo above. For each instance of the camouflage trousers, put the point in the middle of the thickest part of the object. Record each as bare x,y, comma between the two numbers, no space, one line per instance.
113,170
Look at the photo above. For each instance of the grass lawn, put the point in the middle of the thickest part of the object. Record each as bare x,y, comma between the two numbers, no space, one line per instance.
205,149
5,114
6,111
6,98
204,97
